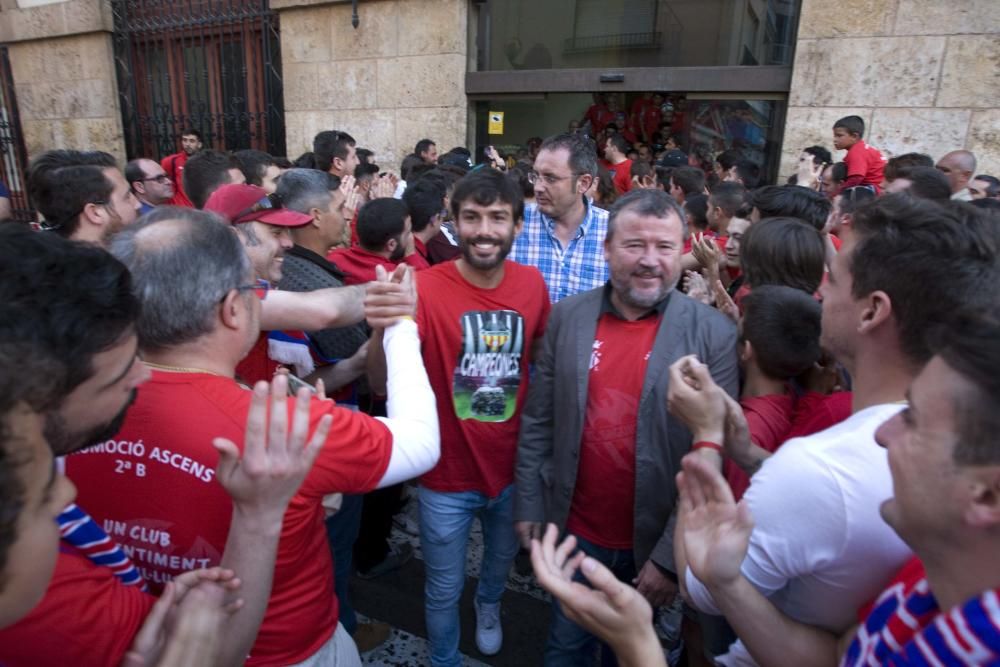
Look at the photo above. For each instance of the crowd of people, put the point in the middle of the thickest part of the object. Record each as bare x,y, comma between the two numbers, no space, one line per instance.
731,421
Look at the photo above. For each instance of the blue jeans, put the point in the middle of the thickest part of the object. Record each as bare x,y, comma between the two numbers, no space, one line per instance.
569,645
445,521
341,532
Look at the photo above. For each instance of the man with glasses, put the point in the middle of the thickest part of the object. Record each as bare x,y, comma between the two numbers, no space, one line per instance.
149,183
563,231
81,195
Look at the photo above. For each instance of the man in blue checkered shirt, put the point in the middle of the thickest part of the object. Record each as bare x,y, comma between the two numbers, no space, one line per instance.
563,234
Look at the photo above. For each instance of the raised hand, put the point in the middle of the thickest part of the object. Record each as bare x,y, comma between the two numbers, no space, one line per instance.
724,303
695,399
707,253
694,286
612,610
390,298
715,529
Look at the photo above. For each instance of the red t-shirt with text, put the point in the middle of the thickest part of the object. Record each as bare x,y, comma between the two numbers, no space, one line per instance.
153,488
476,345
769,418
87,618
603,504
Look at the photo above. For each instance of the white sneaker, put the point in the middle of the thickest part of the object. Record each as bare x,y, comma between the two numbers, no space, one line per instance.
489,633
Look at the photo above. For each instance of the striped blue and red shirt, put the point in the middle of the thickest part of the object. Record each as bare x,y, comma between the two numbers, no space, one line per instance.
906,627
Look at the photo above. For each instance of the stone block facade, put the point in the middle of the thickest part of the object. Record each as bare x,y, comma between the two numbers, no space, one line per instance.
924,74
62,65
397,78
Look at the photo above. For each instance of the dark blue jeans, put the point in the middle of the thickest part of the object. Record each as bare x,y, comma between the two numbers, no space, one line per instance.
341,532
569,645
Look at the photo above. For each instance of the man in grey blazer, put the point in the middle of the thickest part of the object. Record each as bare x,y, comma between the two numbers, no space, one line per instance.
598,450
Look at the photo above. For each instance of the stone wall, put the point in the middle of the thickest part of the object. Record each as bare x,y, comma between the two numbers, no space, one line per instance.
397,78
64,77
924,74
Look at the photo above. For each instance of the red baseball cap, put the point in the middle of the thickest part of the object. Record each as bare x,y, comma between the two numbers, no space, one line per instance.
247,203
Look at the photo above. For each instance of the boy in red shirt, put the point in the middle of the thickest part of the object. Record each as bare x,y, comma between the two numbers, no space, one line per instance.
780,340
864,163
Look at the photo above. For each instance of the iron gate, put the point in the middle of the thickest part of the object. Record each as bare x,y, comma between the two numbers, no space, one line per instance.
210,65
13,156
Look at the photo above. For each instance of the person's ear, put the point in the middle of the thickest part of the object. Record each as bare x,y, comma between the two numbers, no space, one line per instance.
338,163
233,310
877,311
95,214
391,245
746,351
583,183
983,510
317,217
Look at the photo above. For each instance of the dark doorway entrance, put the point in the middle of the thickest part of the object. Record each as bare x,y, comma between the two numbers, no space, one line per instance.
210,65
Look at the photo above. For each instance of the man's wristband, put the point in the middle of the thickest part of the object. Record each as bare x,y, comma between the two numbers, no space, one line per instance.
707,444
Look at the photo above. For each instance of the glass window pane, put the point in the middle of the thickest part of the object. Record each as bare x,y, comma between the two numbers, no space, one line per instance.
703,127
558,34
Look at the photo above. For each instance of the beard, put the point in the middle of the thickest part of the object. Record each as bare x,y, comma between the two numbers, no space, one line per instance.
398,254
465,245
64,441
642,298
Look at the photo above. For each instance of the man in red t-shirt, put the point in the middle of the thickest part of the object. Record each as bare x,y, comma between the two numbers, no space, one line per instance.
479,318
864,163
385,239
619,165
191,143
154,483
597,450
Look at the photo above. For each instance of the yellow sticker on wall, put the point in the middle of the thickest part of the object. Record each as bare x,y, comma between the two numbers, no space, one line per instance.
496,122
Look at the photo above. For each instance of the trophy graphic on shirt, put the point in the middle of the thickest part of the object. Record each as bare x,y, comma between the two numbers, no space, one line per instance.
488,373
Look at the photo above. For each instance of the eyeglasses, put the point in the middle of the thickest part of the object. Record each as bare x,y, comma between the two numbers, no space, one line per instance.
271,201
534,177
162,179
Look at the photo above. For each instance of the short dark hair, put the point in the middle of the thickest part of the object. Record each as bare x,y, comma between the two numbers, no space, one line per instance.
409,163
819,155
380,220
364,154
791,201
620,143
783,251
62,182
968,345
895,164
191,132
330,144
926,183
730,197
134,172
853,125
931,258
992,184
423,146
519,173
484,187
424,199
838,172
205,172
72,300
690,180
254,164
748,172
696,207
986,203
34,390
641,169
782,324
645,202
64,193
852,198
728,158
582,151
364,170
